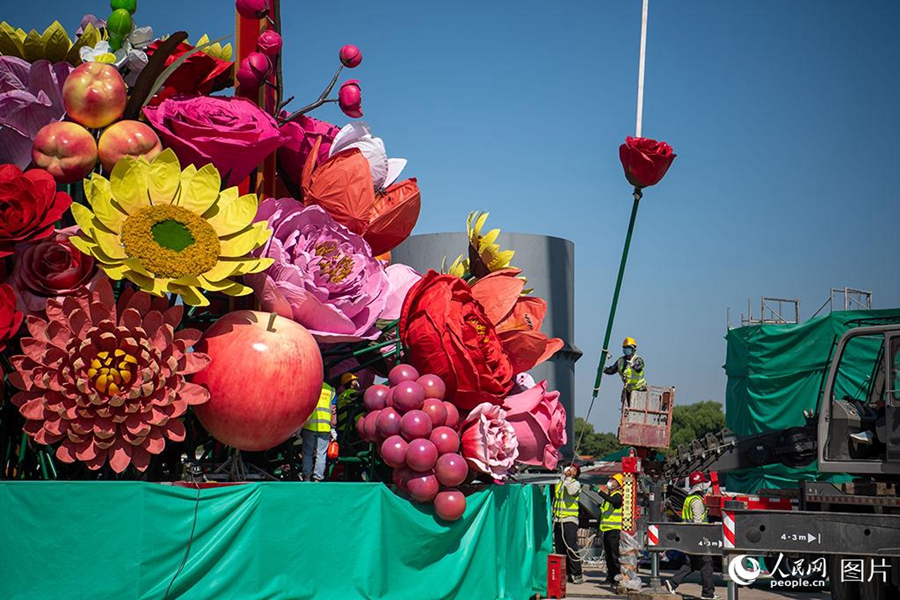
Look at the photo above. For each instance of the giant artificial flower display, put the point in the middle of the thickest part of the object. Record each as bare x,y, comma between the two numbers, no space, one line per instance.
51,268
485,255
106,380
324,276
170,231
29,206
300,136
200,73
30,97
645,160
488,441
343,186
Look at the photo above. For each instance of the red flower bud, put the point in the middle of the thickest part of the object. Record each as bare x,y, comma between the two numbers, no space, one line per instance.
645,161
269,43
350,98
350,56
252,9
254,70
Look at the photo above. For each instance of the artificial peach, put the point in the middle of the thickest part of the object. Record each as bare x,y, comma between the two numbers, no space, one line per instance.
127,138
65,149
94,94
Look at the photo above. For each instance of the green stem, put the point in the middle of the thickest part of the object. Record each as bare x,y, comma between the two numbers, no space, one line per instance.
604,352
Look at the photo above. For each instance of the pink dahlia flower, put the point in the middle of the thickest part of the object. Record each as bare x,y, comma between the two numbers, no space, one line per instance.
324,276
489,441
540,423
107,380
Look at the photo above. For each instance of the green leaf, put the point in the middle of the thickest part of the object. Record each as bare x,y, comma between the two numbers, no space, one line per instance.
34,46
56,42
88,38
10,43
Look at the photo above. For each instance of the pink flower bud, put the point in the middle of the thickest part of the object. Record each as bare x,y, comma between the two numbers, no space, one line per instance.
247,79
350,98
269,43
259,63
252,9
350,56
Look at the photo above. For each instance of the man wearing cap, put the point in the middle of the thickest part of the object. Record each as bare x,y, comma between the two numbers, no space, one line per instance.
565,521
630,368
694,511
611,524
316,433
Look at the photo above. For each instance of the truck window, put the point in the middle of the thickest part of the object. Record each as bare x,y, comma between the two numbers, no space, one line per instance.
860,373
894,376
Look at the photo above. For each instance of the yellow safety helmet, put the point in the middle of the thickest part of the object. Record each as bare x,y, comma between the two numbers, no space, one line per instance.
629,342
347,378
619,479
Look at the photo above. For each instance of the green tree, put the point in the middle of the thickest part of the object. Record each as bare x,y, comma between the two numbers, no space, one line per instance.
693,421
596,444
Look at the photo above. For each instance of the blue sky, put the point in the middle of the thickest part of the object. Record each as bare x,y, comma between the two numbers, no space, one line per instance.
784,117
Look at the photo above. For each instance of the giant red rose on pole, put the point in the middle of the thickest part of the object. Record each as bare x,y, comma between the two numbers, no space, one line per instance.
645,161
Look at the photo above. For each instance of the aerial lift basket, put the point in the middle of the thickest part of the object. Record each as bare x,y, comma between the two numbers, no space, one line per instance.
647,418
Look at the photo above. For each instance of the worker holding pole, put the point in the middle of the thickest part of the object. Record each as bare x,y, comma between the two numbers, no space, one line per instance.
611,524
630,368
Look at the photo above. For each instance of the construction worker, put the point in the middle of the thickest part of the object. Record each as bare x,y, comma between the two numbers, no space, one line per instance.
694,511
611,525
565,521
316,433
630,368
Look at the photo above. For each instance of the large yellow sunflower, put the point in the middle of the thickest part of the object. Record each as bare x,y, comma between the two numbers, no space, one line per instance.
169,230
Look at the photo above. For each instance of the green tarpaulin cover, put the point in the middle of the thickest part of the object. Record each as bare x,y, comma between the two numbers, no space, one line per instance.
266,540
775,372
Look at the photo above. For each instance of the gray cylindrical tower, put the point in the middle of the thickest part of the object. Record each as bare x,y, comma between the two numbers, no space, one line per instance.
549,264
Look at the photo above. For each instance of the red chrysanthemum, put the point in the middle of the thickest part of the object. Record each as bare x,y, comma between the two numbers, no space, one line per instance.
29,206
107,381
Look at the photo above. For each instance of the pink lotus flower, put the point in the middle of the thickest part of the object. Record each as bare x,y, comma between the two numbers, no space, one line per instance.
540,423
107,380
51,269
30,97
489,442
350,98
233,134
300,136
324,276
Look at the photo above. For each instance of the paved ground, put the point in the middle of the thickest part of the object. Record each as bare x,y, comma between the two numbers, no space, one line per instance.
593,588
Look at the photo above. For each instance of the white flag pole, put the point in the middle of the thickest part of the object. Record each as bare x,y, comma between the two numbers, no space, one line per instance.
640,99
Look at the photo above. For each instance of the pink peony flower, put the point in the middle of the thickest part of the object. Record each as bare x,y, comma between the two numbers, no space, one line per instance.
233,134
300,136
539,419
51,269
489,442
324,276
402,278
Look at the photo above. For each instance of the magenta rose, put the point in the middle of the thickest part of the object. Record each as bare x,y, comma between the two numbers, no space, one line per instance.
540,423
300,135
233,134
489,442
51,269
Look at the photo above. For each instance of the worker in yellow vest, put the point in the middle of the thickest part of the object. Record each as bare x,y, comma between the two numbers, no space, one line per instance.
316,433
565,521
630,368
611,525
694,511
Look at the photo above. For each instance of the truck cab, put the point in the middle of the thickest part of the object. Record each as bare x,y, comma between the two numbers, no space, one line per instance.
859,416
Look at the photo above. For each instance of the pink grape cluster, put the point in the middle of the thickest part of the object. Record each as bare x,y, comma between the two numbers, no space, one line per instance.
416,433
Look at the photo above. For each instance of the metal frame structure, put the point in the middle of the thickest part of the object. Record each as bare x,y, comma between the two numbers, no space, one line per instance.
853,299
772,311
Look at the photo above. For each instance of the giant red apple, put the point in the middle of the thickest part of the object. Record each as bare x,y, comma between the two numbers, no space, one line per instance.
67,150
94,94
264,379
127,138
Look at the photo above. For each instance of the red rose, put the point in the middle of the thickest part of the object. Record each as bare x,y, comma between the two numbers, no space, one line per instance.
29,206
645,161
199,74
10,318
51,268
449,335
